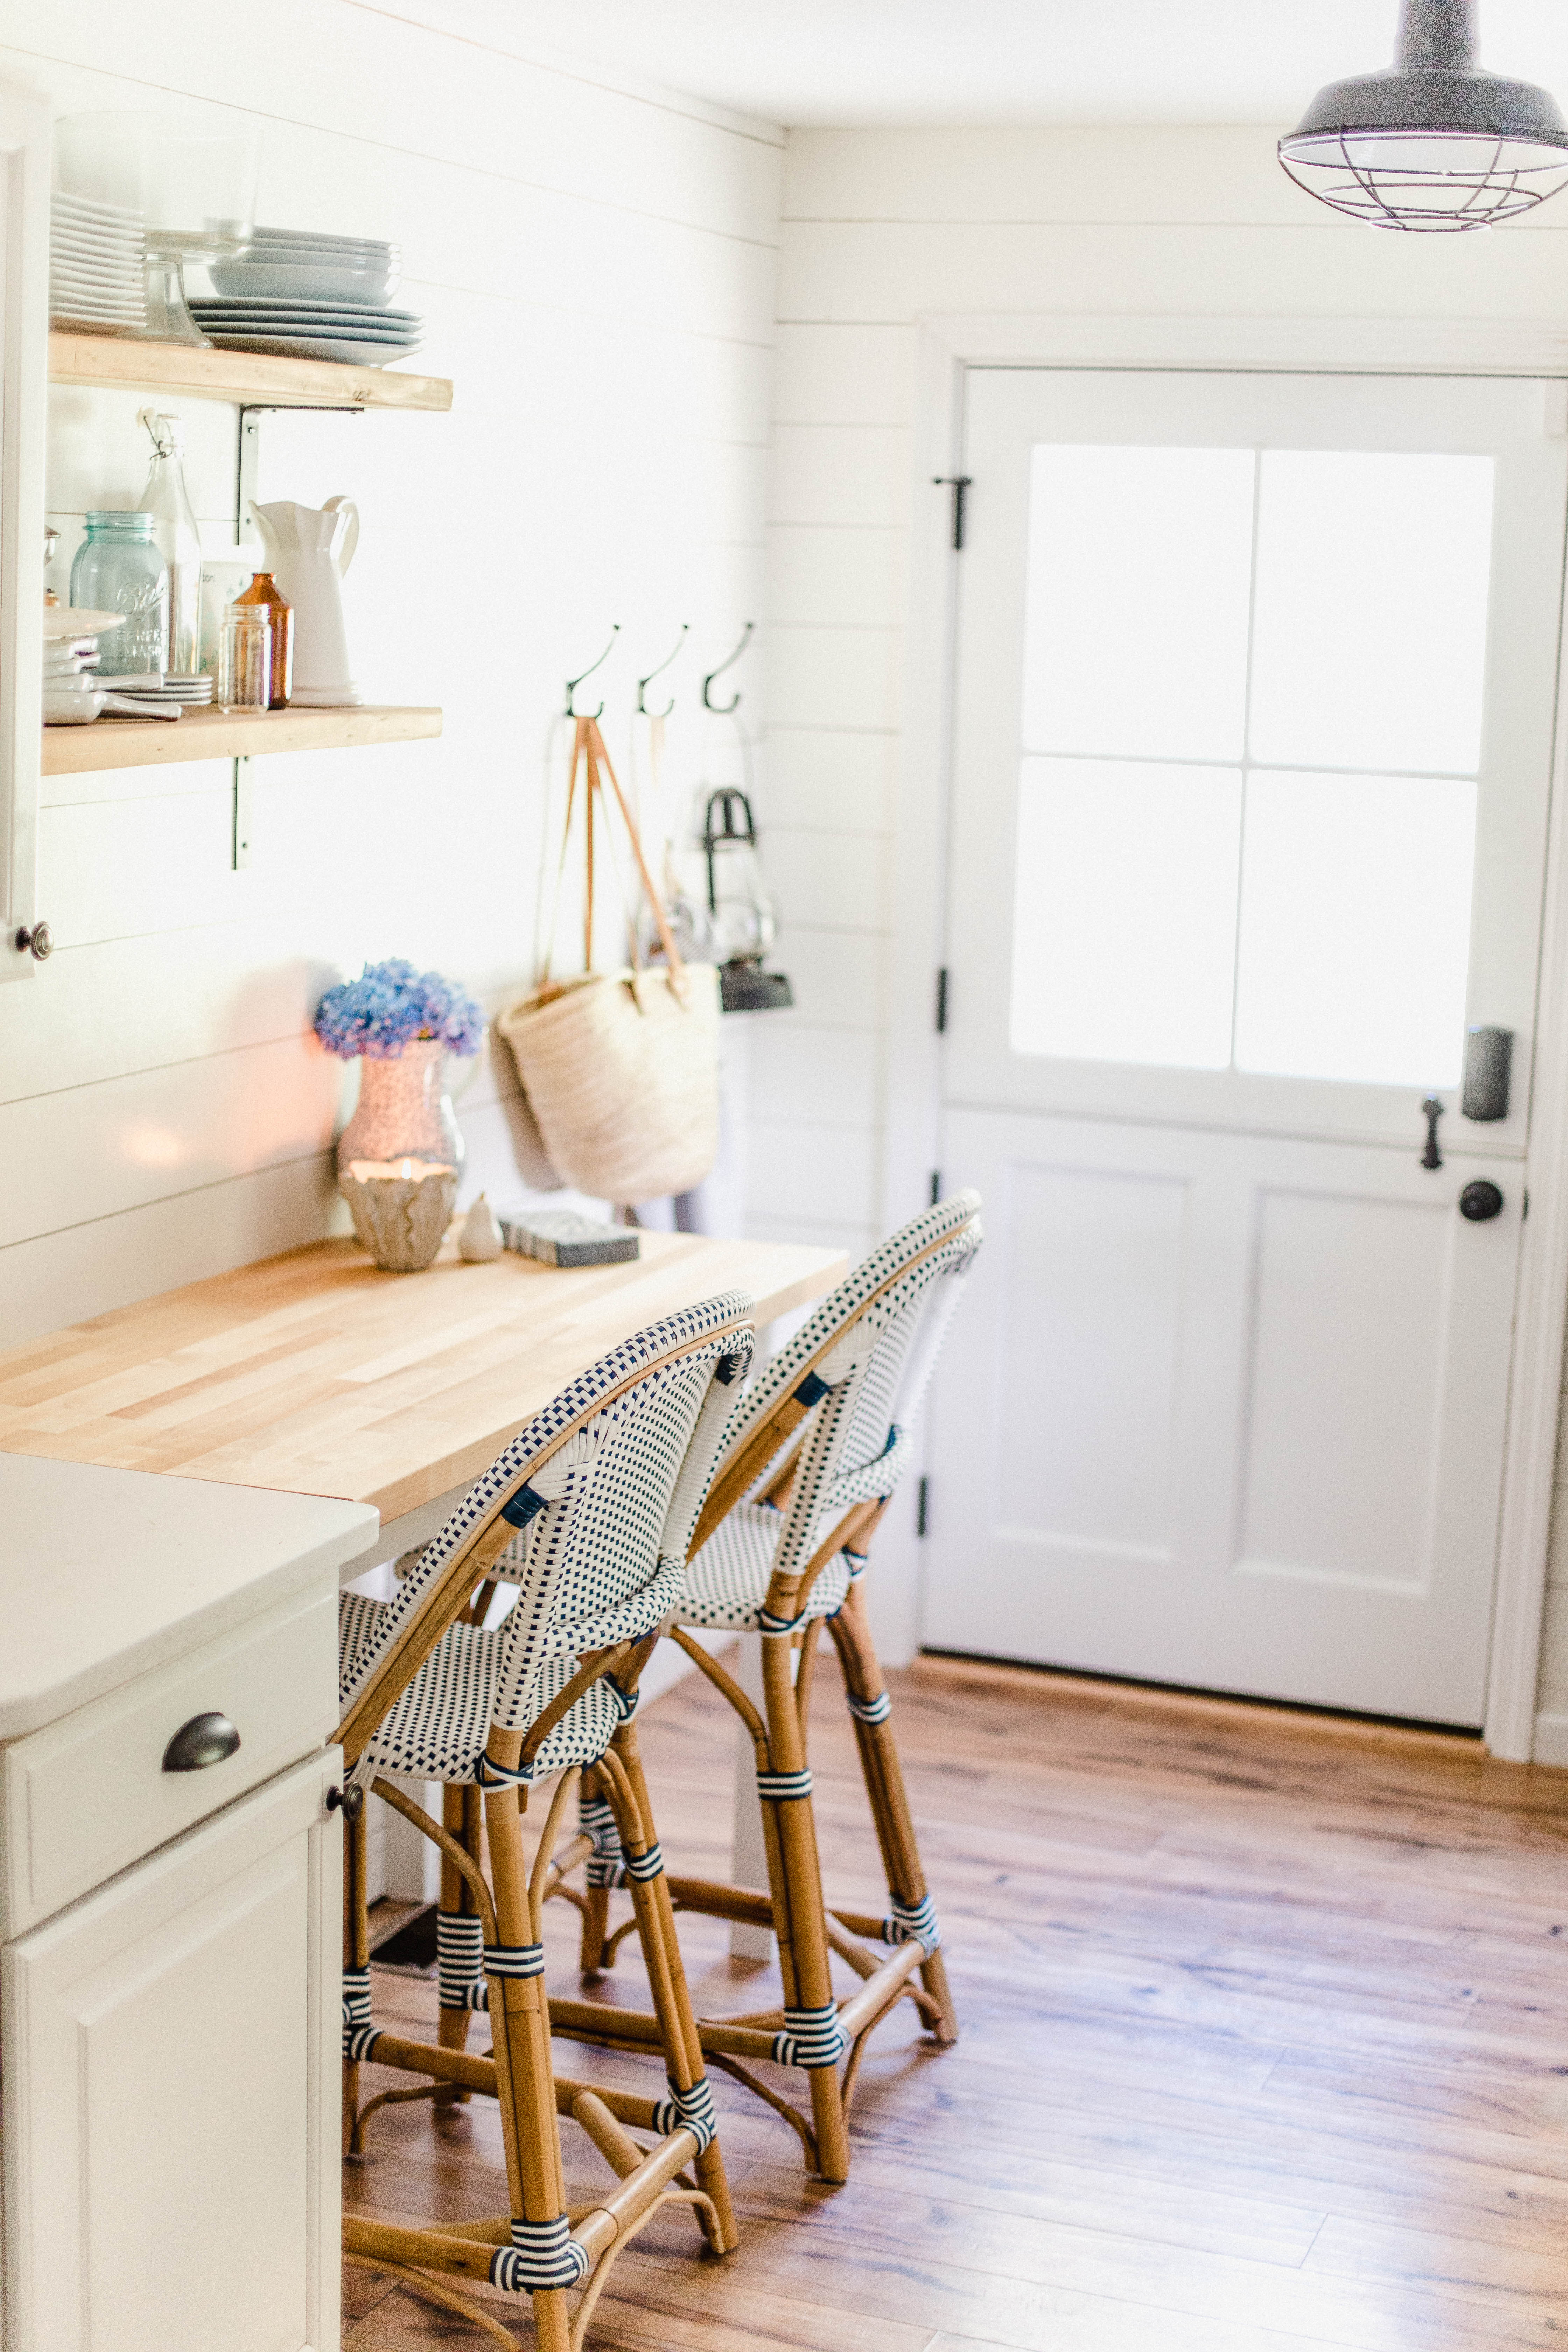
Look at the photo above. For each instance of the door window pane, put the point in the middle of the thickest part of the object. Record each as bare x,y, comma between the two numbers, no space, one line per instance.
1136,610
1369,645
1124,911
1355,922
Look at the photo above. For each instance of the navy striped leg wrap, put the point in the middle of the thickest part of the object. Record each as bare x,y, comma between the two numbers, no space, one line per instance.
607,1864
912,1923
812,2037
781,1787
869,1710
500,1775
643,1868
542,2254
519,1960
460,1961
694,2108
359,2034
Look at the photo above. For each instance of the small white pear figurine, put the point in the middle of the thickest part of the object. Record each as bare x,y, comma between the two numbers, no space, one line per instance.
480,1239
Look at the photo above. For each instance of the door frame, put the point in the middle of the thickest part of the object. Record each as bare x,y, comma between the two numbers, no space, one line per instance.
946,348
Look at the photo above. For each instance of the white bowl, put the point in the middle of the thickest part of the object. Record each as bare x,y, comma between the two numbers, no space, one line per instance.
342,282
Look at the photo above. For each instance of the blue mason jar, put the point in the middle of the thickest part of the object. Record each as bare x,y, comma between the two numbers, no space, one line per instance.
119,569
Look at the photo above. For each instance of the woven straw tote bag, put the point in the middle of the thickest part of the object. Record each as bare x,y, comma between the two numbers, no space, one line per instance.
620,1069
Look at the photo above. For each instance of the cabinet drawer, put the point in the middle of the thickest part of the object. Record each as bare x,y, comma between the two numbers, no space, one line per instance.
90,1794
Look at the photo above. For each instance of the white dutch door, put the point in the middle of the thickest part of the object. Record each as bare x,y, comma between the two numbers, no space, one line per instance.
1253,729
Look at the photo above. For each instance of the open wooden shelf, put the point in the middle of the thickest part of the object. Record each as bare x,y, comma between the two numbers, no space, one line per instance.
261,378
226,735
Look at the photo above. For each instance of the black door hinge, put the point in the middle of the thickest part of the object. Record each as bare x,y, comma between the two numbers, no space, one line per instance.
958,484
942,1001
921,1492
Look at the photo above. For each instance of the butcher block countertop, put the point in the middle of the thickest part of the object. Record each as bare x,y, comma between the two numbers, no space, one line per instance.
316,1373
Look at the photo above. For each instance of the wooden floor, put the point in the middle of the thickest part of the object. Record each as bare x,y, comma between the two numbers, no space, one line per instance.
1265,2046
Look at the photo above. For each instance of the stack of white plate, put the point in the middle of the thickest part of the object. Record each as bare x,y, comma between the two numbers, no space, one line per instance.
75,693
166,690
98,265
316,296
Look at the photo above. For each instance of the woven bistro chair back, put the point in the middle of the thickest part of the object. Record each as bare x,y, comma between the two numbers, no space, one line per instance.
859,1369
593,1510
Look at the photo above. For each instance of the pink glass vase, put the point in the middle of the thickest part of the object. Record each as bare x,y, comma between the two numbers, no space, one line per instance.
404,1109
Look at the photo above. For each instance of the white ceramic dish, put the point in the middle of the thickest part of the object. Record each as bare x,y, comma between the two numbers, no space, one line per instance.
327,238
304,306
101,298
74,621
86,277
304,281
87,208
349,330
97,252
313,347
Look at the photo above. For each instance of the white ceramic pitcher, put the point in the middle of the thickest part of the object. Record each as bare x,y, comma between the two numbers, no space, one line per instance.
308,549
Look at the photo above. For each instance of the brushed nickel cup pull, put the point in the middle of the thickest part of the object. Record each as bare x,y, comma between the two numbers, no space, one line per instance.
205,1739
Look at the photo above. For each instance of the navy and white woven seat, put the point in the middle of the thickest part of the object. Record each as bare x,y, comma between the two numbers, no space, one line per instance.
727,1583
603,1490
813,1451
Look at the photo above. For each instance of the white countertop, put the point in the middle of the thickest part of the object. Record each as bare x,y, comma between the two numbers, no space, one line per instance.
107,1573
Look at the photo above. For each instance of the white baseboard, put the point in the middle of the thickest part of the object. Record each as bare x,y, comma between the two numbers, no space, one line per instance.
1549,1745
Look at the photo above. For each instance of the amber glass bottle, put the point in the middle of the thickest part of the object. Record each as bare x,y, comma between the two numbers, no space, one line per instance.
263,590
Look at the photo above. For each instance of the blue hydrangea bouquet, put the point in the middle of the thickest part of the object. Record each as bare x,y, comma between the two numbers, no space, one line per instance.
390,1005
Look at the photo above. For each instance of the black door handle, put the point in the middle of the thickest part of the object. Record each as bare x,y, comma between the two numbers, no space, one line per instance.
205,1739
1480,1200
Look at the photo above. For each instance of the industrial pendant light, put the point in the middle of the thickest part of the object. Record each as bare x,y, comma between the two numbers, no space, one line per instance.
1431,143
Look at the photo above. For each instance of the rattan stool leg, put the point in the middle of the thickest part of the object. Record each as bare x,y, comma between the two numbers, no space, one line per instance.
884,1779
667,1978
799,1883
519,2017
596,1904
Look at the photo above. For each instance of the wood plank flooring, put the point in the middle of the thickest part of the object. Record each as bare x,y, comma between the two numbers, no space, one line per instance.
1265,2048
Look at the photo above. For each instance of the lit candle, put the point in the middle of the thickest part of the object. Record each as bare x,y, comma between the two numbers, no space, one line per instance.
401,1208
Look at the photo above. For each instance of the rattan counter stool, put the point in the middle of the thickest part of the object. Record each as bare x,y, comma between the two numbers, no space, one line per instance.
782,1545
596,1502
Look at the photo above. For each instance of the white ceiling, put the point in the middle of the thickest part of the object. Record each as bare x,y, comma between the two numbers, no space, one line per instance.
855,62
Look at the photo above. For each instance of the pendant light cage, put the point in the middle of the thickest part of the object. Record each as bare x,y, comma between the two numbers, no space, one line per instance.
1432,143
1426,180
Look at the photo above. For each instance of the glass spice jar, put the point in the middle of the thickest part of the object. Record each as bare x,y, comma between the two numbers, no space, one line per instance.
118,568
244,660
263,592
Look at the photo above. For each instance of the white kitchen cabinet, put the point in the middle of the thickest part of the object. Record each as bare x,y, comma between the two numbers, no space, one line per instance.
24,350
170,1911
171,2117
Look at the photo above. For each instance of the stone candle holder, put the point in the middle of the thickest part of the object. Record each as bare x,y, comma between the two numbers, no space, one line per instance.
401,1208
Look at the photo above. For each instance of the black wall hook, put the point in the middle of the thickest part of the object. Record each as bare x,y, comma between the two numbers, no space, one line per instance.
724,709
574,683
664,665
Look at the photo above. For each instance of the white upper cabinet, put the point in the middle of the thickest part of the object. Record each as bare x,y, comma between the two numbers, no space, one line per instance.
24,364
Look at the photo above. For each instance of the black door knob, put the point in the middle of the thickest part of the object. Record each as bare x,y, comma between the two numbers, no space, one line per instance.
1480,1200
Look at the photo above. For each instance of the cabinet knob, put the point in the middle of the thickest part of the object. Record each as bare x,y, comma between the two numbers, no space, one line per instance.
1480,1200
205,1739
40,938
352,1800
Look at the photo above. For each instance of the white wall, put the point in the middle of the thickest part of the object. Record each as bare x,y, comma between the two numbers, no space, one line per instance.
596,264
880,229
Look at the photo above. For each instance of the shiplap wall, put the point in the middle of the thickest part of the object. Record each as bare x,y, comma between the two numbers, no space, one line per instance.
881,228
596,265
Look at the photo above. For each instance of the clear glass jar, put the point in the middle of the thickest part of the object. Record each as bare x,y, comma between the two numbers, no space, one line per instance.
244,660
178,541
118,568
